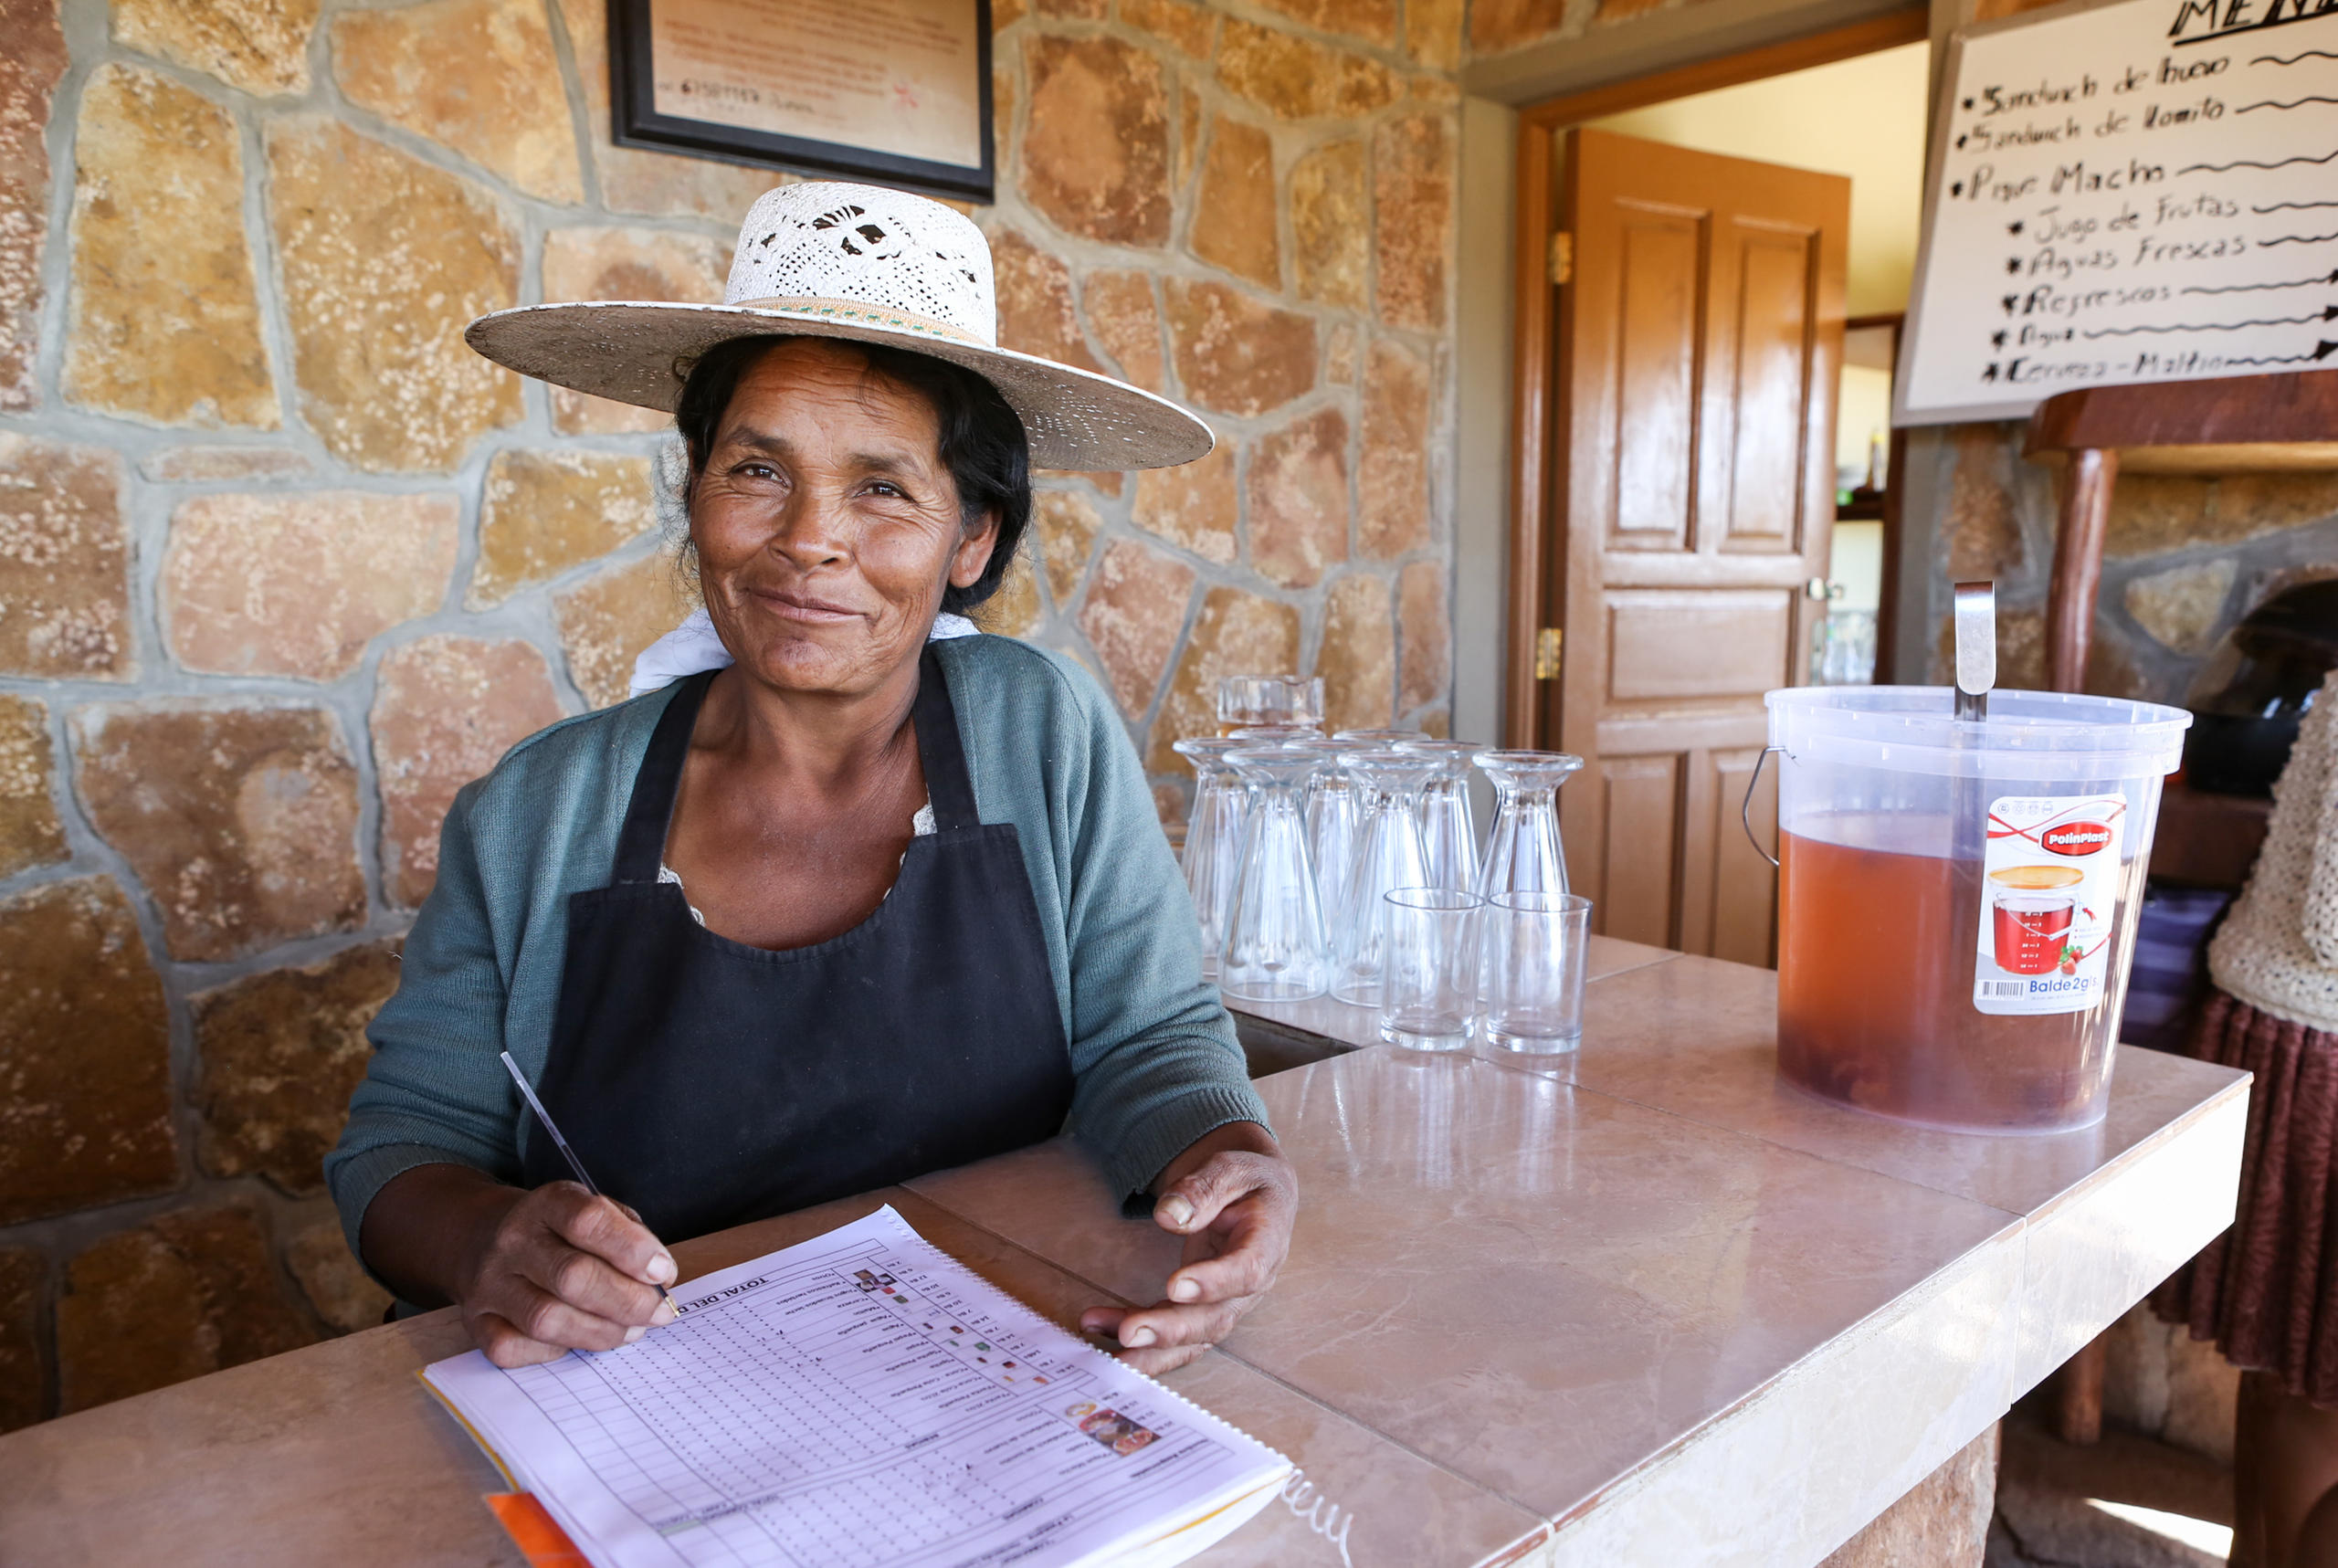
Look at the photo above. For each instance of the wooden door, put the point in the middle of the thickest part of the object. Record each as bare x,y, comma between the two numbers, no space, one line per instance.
1699,344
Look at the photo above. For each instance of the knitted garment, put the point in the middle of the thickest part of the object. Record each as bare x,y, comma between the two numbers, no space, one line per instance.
2278,949
2267,1290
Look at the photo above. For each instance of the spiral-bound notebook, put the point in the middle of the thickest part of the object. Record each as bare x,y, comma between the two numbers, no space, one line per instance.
860,1399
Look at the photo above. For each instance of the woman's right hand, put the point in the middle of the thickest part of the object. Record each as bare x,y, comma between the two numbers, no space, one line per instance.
559,1269
536,1274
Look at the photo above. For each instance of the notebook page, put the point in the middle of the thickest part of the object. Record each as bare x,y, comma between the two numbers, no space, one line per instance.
861,1398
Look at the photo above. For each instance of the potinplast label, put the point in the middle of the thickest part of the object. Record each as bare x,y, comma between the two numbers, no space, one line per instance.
2050,885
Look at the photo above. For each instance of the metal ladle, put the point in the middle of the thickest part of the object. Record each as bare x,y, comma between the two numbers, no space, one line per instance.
1976,672
1977,649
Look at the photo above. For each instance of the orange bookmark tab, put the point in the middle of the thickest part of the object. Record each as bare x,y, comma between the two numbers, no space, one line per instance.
535,1532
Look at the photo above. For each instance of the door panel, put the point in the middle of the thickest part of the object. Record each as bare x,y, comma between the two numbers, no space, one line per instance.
1676,643
1656,366
1698,347
1773,390
1641,800
1743,885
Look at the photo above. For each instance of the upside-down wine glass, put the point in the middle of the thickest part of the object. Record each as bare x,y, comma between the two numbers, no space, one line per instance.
1524,855
1448,825
1212,840
1388,854
1331,809
1275,949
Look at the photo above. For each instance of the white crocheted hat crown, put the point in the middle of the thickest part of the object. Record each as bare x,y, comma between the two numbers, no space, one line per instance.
859,262
830,242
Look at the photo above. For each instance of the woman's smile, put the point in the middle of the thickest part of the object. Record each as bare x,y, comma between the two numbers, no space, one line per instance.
797,605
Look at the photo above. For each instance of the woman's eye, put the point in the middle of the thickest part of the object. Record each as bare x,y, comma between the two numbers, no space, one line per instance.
756,472
881,487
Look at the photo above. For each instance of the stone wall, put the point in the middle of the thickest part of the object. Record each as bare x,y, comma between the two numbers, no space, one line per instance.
282,562
2184,559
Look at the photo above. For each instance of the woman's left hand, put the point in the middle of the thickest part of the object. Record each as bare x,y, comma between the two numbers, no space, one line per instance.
1232,1195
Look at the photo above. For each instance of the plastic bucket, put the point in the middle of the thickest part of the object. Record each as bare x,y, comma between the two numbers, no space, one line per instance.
1957,902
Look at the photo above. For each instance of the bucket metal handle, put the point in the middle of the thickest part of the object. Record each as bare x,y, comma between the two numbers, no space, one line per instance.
1745,806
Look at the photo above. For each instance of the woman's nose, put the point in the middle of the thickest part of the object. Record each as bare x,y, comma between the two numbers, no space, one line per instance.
811,531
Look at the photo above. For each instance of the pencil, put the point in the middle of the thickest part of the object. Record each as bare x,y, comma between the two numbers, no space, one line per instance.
584,1180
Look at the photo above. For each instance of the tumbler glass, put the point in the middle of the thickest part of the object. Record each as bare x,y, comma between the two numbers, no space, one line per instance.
1247,700
1212,840
1524,855
1270,734
1385,737
1388,854
1276,949
1428,987
1534,947
1448,825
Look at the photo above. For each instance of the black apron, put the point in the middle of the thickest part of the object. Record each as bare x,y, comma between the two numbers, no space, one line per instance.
709,1083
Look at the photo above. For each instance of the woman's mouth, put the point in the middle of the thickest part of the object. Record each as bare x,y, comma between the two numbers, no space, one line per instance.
793,605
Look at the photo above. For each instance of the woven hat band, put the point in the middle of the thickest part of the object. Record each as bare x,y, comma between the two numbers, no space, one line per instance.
865,315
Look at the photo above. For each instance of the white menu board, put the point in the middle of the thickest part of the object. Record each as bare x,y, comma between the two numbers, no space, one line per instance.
2145,190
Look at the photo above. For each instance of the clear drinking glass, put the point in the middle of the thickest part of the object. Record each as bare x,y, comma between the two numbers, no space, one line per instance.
1276,949
1387,736
1535,945
1449,823
1268,734
1523,855
1330,807
1428,985
1388,854
1214,840
1247,700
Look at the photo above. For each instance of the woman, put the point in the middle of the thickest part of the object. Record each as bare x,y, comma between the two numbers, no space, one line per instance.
858,906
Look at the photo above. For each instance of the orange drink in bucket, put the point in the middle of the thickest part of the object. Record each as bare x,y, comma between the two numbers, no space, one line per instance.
1957,898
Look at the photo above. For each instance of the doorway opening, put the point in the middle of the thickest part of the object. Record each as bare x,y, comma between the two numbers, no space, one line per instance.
1862,118
1711,267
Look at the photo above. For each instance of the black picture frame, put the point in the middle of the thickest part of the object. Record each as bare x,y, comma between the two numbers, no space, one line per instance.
635,122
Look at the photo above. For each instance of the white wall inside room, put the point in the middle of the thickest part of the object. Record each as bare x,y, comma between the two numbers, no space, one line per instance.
1862,117
1858,564
1862,418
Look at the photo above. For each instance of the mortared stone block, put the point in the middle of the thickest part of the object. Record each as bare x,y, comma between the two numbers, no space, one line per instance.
1134,610
281,1052
297,583
446,709
240,818
193,1293
64,562
85,1069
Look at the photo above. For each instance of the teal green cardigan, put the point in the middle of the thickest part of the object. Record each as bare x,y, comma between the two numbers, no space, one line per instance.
1153,1055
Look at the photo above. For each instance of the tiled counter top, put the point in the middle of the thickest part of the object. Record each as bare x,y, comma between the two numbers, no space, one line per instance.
1644,1305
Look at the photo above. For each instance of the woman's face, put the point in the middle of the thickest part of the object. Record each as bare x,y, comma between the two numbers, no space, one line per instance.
827,525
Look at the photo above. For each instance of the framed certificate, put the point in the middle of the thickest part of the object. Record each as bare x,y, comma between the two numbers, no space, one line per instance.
896,93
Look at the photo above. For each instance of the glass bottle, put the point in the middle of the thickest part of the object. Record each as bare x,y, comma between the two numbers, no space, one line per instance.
1388,854
1276,949
1449,822
1212,840
1524,855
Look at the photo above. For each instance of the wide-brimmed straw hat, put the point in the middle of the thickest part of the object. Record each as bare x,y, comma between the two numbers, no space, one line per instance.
834,260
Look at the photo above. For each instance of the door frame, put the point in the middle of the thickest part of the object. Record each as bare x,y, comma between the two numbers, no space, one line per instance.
1535,374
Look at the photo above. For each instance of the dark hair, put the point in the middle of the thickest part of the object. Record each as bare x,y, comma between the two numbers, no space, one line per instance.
982,441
